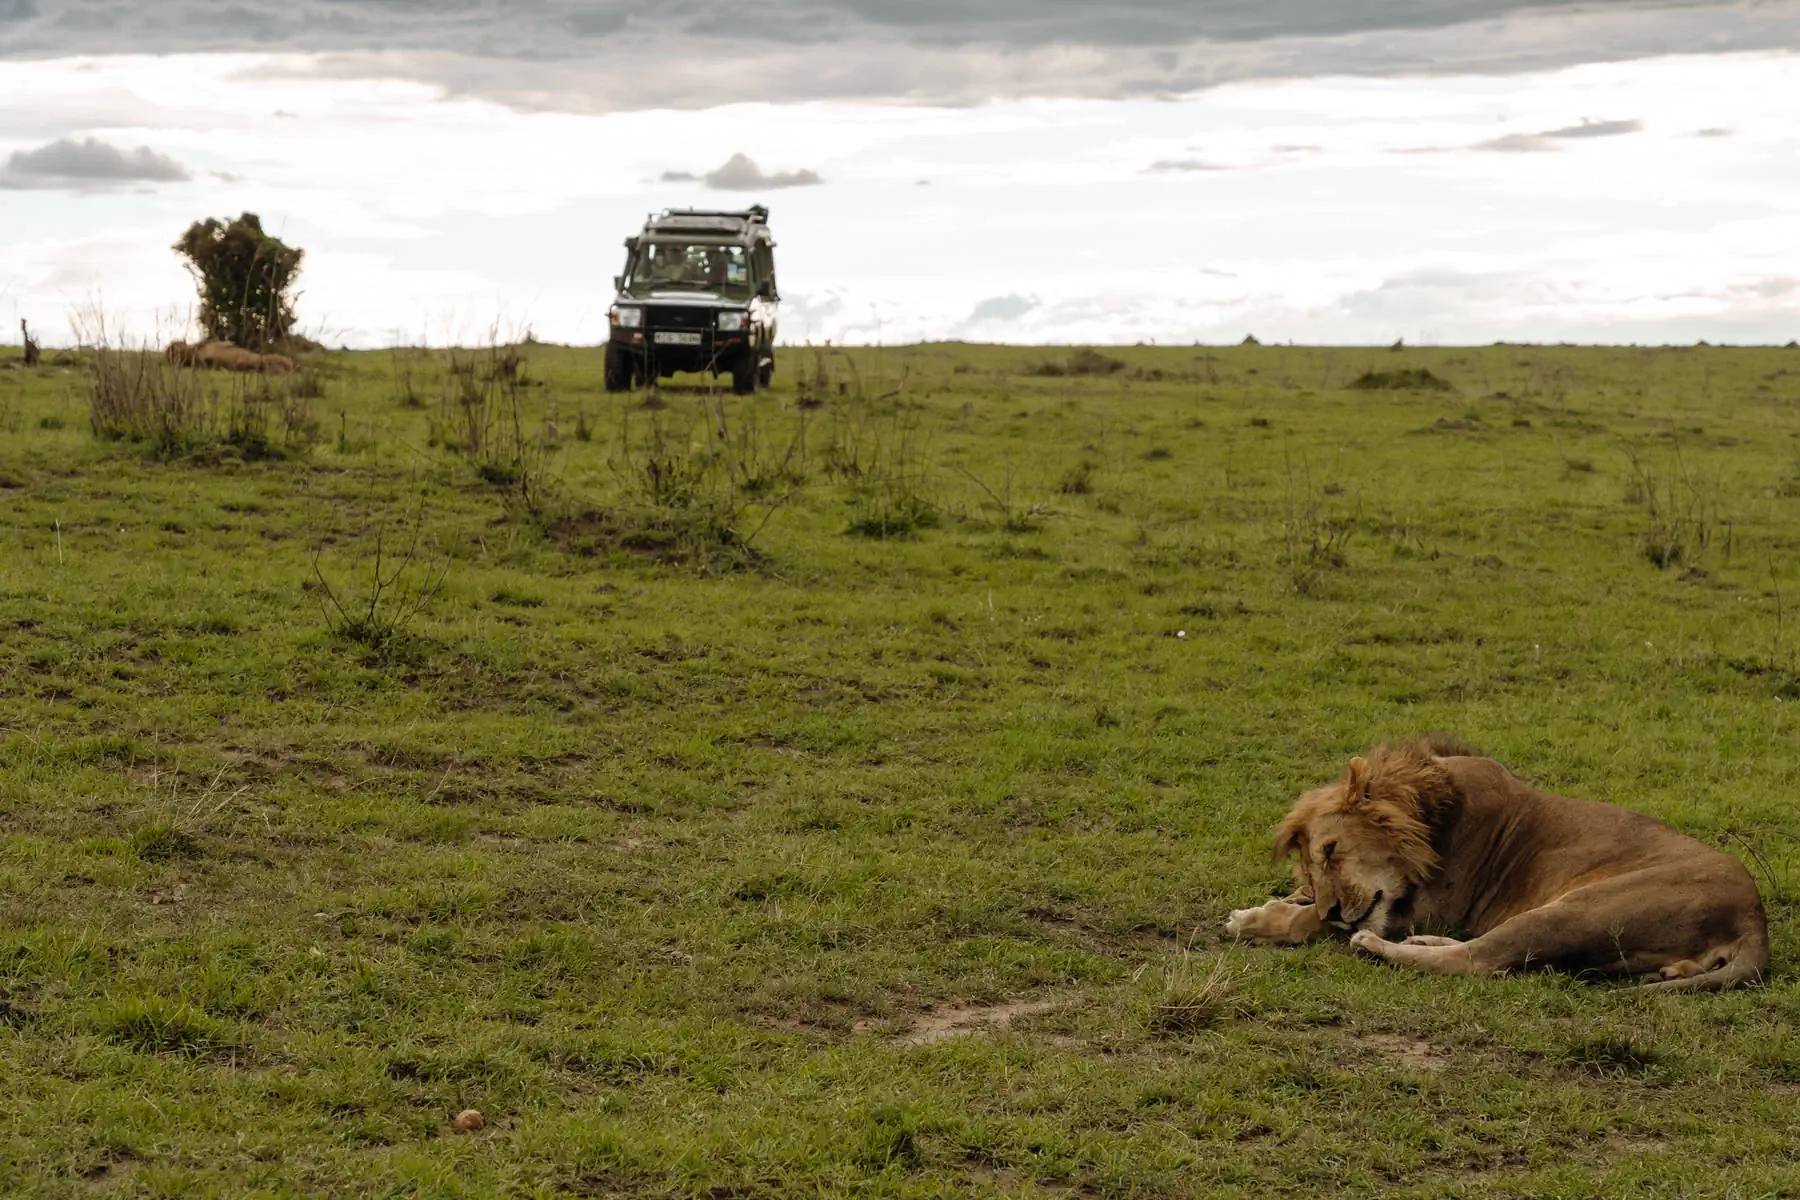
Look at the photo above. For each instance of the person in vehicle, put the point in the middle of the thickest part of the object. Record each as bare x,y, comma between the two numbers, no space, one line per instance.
718,266
668,264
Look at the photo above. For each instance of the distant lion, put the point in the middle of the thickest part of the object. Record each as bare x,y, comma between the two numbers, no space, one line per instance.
224,356
1427,835
227,357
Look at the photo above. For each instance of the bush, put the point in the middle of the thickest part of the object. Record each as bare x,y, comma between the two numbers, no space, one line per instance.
1414,379
1085,361
246,280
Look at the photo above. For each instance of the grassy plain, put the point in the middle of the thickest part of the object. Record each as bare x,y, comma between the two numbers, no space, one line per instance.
876,865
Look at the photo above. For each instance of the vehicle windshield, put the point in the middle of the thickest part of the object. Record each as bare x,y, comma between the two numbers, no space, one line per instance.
697,267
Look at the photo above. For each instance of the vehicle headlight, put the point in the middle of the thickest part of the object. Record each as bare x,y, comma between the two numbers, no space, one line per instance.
628,318
730,322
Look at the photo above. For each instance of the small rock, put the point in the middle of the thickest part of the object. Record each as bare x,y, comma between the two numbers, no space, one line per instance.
469,1120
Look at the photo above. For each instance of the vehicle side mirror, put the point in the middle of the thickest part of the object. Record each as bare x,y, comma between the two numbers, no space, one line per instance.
766,289
618,283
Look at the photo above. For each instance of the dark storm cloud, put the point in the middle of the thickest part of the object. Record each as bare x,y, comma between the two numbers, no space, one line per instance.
609,54
87,165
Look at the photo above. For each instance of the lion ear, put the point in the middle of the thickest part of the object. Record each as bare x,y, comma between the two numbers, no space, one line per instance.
1359,779
1287,837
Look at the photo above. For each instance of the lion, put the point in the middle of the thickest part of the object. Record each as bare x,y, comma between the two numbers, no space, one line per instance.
224,356
1428,835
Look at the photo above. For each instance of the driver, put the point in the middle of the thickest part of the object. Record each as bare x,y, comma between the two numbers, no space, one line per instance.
718,265
669,264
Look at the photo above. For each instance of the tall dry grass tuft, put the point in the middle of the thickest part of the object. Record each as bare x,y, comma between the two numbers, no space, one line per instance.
1191,998
177,409
1680,508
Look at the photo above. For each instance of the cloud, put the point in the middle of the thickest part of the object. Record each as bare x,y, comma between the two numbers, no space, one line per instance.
1527,143
1517,143
680,177
87,165
1594,129
1001,308
528,30
1169,166
739,174
590,55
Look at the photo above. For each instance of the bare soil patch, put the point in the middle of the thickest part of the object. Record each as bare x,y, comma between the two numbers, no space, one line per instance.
1404,1050
963,1020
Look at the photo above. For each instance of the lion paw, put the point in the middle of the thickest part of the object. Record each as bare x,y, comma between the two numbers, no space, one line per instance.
1281,922
1369,943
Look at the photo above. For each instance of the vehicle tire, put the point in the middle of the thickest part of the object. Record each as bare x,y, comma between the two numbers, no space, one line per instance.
618,370
743,375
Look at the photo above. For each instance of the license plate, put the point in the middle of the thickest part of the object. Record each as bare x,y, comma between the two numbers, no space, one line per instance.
666,338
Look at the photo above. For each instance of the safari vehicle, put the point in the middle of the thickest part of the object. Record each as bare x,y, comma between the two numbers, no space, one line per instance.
698,294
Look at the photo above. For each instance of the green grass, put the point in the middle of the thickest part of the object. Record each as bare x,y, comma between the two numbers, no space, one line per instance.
841,790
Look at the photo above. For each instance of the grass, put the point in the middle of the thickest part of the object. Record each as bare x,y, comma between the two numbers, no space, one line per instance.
815,798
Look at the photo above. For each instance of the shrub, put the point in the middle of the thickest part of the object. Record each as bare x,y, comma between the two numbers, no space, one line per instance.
390,579
1078,480
246,280
1680,511
1415,379
1084,361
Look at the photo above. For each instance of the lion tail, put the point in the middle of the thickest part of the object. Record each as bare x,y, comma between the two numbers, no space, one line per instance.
1745,966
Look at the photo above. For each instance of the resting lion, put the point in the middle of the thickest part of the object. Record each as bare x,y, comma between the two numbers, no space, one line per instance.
1427,835
224,356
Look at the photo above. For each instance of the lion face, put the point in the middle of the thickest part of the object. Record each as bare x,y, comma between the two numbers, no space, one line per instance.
1354,873
1361,848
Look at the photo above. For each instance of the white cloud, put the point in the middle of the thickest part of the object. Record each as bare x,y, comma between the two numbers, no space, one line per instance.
428,214
1169,166
1001,308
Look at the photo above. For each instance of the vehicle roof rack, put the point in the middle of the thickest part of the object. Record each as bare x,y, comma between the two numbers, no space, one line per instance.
696,220
738,223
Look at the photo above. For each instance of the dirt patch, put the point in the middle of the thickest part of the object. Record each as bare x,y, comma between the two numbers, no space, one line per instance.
963,1020
1403,1050
1014,1182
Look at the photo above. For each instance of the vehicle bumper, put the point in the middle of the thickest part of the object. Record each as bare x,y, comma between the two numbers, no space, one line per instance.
711,352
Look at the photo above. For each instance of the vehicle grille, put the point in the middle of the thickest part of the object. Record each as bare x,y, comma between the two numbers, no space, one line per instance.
679,318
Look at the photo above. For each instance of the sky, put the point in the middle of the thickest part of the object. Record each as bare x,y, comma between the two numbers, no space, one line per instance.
1043,171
